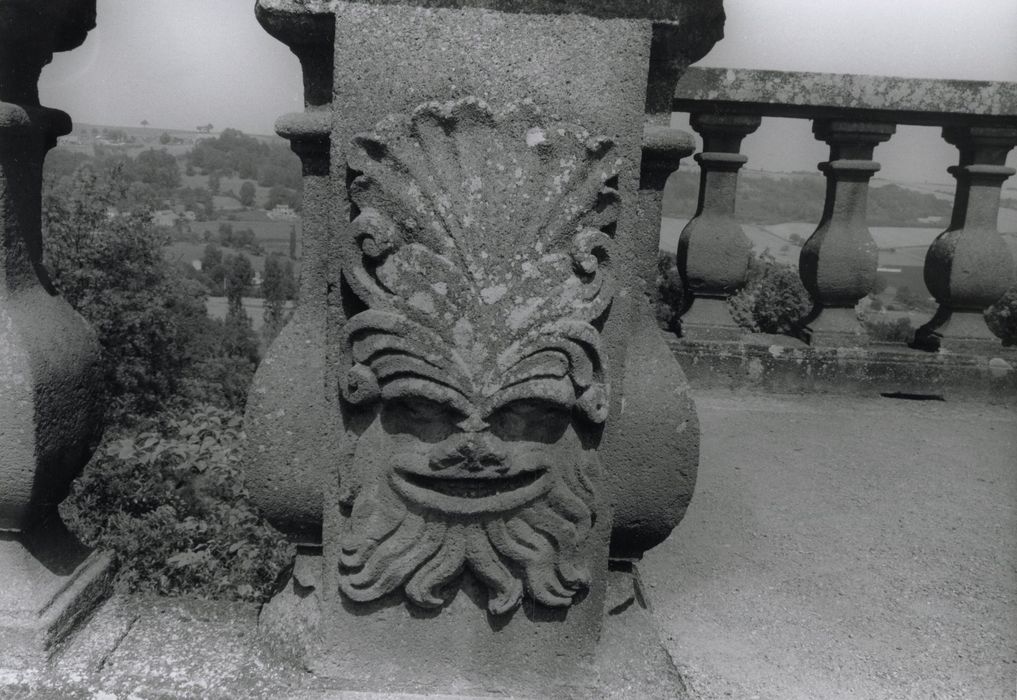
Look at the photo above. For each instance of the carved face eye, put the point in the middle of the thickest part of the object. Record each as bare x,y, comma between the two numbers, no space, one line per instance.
427,420
533,420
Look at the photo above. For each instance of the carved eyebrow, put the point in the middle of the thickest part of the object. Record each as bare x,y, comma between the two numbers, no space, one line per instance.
557,391
545,363
387,366
408,386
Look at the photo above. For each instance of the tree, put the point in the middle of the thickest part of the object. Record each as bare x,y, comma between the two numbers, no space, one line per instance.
213,182
212,268
144,122
158,169
165,138
293,242
226,235
247,192
111,269
277,287
239,276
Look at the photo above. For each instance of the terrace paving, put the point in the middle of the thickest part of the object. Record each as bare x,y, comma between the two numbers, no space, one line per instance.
845,548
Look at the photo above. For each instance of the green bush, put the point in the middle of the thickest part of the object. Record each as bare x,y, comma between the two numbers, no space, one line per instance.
169,502
773,299
669,293
1001,317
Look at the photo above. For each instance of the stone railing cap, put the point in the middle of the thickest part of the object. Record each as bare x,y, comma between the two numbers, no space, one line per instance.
660,10
812,95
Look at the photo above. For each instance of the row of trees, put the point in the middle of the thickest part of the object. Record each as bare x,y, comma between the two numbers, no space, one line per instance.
154,175
236,153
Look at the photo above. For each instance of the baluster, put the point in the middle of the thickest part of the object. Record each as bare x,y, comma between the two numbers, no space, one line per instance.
969,266
713,250
49,361
288,415
838,263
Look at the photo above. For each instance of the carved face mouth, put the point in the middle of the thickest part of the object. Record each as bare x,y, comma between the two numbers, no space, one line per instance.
470,495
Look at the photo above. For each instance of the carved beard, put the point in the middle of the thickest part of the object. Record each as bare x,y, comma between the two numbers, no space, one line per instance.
536,549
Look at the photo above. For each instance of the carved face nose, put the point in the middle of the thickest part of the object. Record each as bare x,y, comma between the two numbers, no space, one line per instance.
469,454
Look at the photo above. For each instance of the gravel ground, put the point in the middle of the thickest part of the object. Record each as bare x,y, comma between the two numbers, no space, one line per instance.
845,548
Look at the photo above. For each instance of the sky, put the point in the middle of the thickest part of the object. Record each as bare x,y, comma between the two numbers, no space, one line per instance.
183,63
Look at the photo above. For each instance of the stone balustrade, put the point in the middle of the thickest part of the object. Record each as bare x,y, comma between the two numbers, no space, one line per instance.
472,426
967,268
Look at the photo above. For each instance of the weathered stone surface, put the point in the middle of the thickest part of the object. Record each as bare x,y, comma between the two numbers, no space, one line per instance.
713,252
783,365
969,266
836,95
838,263
147,646
652,439
483,256
50,406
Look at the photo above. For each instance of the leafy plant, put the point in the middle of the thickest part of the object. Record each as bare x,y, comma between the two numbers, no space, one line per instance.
669,293
169,502
1001,317
773,299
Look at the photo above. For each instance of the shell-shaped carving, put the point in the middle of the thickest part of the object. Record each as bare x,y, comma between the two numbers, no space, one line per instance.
479,225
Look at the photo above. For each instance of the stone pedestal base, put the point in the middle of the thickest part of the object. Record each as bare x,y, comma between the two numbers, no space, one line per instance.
48,585
837,328
628,661
709,319
958,332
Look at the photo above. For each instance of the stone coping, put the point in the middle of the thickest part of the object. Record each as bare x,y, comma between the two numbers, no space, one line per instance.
783,365
896,100
659,10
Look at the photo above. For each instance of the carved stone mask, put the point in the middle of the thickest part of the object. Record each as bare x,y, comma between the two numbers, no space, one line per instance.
474,382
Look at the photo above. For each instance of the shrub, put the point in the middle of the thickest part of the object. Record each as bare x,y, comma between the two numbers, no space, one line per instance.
888,329
669,293
1001,317
169,502
773,299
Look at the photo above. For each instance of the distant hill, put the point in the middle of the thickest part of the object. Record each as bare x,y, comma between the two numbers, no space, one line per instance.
773,198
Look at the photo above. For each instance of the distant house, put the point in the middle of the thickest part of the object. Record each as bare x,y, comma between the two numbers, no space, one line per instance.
283,212
165,217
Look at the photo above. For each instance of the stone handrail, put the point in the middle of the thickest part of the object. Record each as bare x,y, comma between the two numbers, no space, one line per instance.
967,268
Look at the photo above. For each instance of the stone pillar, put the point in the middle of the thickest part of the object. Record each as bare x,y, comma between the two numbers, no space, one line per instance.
838,263
713,250
969,266
49,376
479,310
290,420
